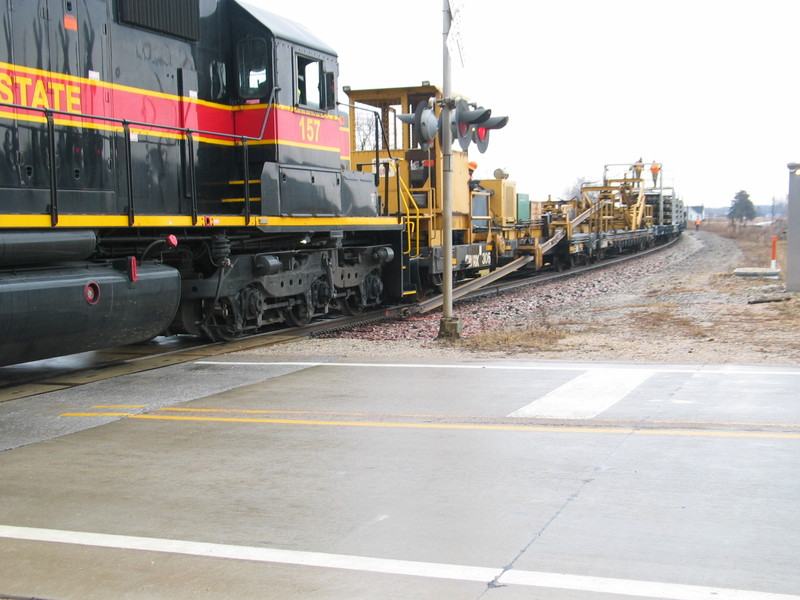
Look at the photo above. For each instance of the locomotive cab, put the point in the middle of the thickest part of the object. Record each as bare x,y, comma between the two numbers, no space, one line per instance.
295,137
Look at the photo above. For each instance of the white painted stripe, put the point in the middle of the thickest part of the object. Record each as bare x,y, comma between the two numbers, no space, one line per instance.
630,587
496,575
699,370
586,396
256,554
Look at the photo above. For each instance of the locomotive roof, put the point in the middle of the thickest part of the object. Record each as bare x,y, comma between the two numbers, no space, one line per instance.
286,29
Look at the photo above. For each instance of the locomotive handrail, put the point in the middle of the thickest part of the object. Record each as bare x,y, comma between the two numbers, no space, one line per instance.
51,129
126,129
129,173
234,136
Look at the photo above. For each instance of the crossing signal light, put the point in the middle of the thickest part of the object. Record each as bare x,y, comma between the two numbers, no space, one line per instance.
468,124
480,133
424,124
463,120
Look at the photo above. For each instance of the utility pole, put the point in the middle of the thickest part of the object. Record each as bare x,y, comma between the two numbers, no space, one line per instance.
449,326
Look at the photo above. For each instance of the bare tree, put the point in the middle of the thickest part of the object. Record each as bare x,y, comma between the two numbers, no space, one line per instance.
365,131
574,191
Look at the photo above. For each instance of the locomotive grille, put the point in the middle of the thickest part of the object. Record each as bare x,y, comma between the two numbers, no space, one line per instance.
180,18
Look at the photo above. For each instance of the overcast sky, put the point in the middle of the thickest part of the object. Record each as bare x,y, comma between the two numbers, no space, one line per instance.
706,87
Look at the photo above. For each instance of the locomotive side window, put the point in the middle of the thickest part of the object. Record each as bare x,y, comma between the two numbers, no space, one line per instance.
254,72
309,82
219,79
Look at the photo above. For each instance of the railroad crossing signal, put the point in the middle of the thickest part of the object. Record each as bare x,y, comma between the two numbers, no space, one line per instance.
468,123
462,120
424,124
480,133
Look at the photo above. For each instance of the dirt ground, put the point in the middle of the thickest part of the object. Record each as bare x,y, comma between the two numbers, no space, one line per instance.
693,310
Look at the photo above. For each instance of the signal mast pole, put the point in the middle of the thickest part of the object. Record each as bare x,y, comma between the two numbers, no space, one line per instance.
449,326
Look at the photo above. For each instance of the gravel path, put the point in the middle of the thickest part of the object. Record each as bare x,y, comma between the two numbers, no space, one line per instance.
681,305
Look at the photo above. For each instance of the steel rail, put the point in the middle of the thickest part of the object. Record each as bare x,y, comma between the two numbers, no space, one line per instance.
481,287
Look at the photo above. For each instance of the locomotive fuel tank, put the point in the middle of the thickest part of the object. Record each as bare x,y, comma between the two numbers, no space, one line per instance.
68,308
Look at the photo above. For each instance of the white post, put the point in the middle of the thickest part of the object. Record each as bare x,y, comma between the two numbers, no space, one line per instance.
793,230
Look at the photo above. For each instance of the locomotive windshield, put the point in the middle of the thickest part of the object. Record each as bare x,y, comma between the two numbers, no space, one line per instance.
255,76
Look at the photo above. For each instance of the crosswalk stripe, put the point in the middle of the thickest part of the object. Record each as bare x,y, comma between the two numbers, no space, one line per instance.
585,396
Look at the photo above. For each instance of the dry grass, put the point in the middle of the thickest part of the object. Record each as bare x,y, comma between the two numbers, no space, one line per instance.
655,319
658,318
755,241
533,338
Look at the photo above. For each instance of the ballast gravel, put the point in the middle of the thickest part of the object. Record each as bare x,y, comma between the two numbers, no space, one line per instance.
680,305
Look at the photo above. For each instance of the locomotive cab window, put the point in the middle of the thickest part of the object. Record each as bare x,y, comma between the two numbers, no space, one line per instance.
254,73
309,83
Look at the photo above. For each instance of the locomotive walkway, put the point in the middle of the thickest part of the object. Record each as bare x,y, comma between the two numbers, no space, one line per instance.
329,478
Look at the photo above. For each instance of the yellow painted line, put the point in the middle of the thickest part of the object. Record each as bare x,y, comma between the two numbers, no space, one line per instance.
266,412
457,426
66,221
96,414
730,424
378,424
299,221
440,416
289,412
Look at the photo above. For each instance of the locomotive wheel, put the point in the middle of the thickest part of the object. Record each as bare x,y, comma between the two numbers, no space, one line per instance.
299,314
219,332
351,305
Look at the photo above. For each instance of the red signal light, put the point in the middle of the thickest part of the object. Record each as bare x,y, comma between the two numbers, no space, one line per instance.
481,132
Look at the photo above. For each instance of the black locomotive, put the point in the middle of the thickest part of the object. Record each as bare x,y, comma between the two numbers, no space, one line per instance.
175,166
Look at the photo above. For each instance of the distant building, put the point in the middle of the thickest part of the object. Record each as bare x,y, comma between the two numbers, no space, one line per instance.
693,213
